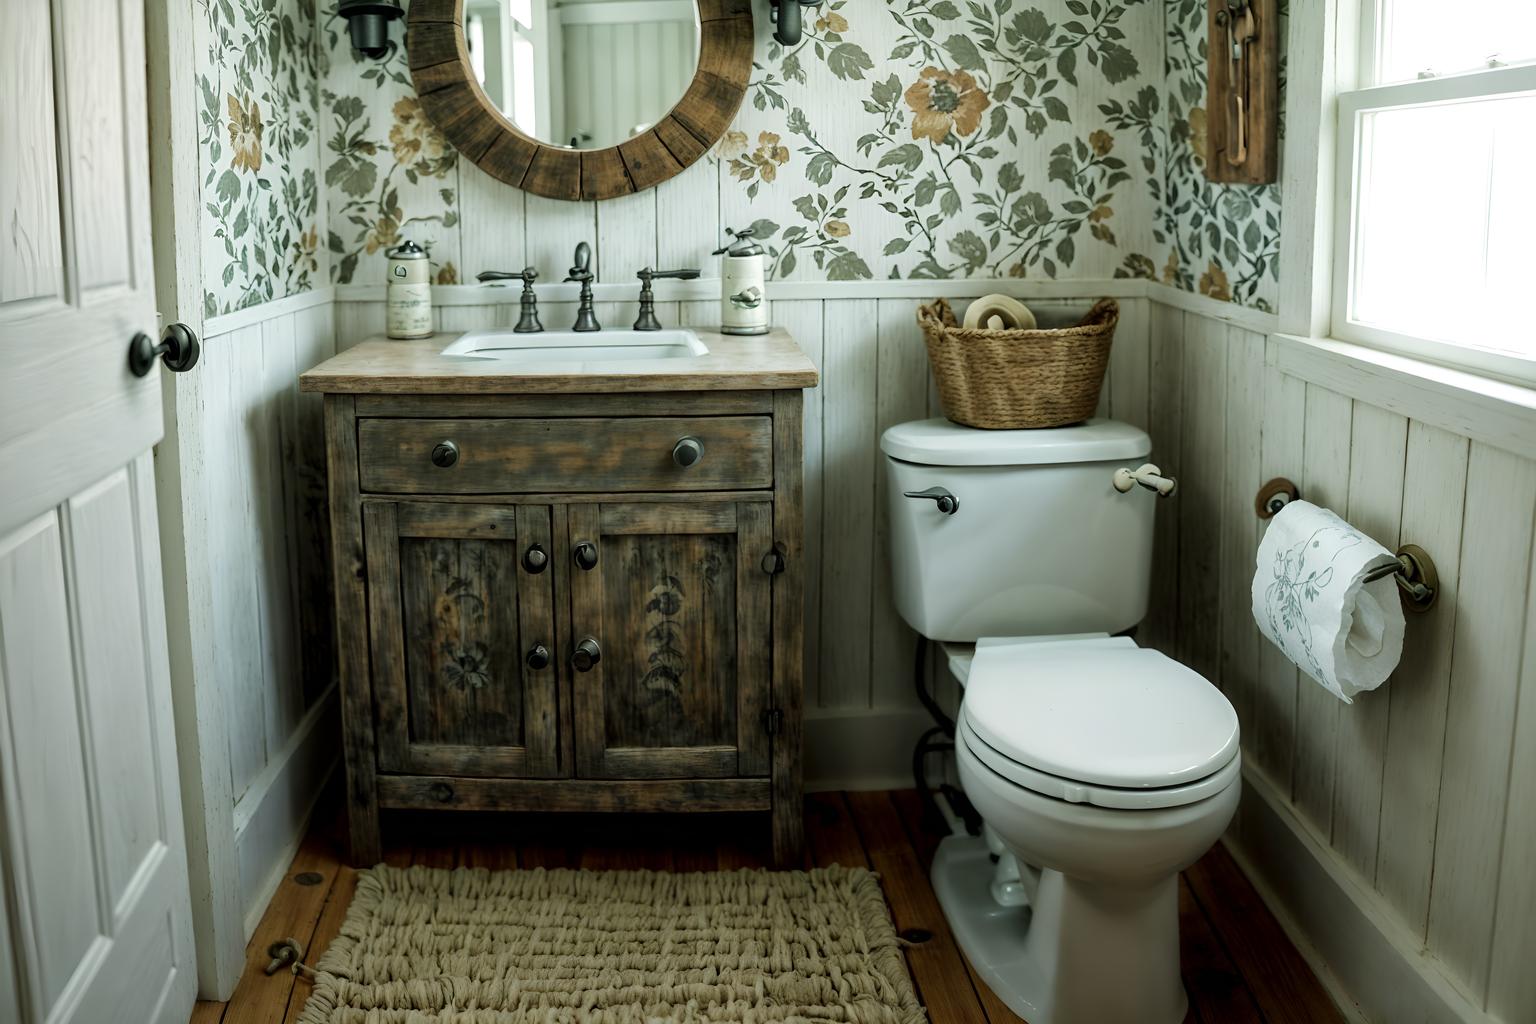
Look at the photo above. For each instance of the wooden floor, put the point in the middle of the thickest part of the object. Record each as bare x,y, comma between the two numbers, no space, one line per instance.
1239,967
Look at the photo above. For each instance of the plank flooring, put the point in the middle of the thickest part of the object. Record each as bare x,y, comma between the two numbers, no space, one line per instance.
1239,967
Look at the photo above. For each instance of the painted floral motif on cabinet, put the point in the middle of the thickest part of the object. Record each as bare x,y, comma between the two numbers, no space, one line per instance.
258,104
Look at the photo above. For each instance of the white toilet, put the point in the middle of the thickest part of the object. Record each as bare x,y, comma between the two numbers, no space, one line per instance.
1101,769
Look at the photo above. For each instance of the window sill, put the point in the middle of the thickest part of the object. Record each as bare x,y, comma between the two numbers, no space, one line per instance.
1492,411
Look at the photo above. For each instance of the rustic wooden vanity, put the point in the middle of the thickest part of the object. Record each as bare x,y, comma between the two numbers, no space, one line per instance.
568,587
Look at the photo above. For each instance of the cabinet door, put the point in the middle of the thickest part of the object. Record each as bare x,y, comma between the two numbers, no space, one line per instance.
679,607
461,619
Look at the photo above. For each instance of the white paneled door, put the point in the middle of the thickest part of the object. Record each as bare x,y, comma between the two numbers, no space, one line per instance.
95,917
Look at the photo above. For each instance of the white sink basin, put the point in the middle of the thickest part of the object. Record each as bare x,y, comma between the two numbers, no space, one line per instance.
578,346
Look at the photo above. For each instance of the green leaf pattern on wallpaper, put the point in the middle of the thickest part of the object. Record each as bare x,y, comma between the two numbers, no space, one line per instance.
389,174
258,102
968,145
1220,240
899,139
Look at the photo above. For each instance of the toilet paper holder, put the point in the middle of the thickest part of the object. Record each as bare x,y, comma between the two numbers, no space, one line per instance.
1418,582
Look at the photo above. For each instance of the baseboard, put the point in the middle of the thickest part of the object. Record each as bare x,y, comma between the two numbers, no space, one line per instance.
273,815
861,748
1358,947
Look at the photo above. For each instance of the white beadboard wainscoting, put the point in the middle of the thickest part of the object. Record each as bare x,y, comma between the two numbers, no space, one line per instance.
862,716
242,484
1398,834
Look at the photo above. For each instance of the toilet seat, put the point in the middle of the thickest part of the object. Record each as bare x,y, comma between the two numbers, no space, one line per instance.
1108,797
1098,720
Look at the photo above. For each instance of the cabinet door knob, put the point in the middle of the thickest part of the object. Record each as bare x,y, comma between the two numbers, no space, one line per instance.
688,452
538,657
587,654
442,792
445,454
586,555
535,560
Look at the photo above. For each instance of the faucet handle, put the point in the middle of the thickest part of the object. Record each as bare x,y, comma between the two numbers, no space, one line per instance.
647,275
527,275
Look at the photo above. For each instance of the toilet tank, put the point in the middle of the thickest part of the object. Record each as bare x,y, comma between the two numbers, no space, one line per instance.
1040,542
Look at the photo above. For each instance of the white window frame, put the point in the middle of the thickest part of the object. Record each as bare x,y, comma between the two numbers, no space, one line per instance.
1353,106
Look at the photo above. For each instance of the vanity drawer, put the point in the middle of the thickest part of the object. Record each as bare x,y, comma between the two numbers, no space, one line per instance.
566,455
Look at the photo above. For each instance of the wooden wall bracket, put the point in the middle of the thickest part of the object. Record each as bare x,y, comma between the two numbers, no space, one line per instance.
1242,109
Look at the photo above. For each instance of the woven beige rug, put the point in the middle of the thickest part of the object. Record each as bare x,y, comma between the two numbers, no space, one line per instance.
473,946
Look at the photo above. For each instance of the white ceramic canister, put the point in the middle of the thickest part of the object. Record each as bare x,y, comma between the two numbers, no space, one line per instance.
408,297
743,288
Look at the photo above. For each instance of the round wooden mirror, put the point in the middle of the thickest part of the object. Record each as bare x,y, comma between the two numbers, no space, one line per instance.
449,85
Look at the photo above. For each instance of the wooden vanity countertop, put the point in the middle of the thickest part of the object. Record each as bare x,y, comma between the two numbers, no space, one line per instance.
738,363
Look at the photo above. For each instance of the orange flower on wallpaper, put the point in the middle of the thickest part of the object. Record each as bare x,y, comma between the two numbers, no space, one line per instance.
383,235
416,141
944,102
1214,283
832,22
837,229
245,130
763,162
1101,141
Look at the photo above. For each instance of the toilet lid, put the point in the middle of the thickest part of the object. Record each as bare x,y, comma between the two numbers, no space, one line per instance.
1103,712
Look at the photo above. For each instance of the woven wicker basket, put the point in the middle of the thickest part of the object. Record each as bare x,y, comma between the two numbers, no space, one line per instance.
1006,380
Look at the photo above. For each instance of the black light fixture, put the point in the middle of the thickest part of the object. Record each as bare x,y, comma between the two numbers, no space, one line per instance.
786,16
368,24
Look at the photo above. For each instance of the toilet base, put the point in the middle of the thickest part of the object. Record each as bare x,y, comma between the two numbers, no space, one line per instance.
997,942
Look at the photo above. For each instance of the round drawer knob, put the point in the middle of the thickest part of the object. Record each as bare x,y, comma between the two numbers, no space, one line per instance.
442,792
688,452
535,560
538,657
586,555
445,454
587,654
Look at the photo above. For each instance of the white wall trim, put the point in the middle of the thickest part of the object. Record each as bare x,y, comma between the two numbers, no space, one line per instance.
272,815
1492,411
861,748
1248,319
708,289
1356,944
251,315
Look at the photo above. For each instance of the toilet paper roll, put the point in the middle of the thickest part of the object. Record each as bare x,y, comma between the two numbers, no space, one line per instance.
1311,600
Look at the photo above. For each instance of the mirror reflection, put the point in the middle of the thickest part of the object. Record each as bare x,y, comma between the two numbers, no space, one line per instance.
583,74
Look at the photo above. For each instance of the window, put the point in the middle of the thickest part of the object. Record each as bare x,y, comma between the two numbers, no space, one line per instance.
1436,236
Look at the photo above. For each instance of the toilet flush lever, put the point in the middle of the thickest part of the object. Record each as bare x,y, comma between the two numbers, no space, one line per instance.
948,503
1148,476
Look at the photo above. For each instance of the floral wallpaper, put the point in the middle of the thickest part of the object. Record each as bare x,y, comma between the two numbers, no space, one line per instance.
1220,240
964,138
258,81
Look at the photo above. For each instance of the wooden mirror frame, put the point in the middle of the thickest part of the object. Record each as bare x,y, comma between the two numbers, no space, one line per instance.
450,96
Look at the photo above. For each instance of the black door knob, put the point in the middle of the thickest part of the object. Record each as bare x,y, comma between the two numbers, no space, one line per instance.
538,657
688,451
587,654
535,560
178,349
445,454
586,555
